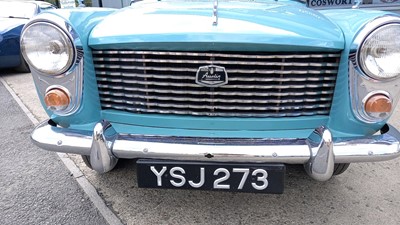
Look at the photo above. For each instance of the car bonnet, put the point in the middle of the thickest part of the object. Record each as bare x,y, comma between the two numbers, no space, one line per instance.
273,23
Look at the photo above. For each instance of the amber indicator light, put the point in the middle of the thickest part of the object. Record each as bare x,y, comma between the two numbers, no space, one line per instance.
378,103
56,98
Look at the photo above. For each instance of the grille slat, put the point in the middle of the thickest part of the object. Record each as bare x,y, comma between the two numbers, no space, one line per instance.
211,107
122,77
217,62
112,90
176,69
259,85
219,100
154,83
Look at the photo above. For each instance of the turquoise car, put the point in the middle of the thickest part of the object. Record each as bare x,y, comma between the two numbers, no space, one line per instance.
219,95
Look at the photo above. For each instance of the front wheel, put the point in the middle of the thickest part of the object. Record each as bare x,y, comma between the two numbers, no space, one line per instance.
339,168
86,160
100,168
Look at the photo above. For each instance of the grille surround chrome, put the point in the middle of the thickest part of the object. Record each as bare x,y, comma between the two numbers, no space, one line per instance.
260,84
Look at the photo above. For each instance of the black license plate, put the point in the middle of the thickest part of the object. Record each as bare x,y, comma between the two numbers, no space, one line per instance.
238,177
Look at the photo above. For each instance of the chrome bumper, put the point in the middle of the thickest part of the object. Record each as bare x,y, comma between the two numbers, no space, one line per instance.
319,152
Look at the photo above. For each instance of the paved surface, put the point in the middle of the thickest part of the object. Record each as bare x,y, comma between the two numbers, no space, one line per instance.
368,193
35,186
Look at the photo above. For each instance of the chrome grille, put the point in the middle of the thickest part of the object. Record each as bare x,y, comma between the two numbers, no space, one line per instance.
260,84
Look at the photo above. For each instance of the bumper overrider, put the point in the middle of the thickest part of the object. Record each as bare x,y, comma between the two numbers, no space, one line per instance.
319,152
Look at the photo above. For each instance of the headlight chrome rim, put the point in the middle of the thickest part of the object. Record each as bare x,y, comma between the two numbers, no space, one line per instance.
367,32
71,48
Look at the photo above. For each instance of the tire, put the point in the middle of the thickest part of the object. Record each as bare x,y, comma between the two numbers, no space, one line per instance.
340,168
86,160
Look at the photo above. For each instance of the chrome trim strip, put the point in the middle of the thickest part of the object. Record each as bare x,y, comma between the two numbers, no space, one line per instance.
316,151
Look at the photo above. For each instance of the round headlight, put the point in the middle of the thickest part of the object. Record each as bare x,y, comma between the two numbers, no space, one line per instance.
379,54
47,48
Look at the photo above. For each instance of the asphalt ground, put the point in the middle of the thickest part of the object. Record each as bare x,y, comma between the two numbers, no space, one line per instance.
35,186
367,193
